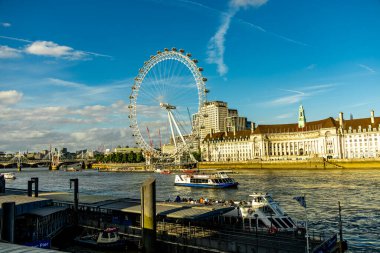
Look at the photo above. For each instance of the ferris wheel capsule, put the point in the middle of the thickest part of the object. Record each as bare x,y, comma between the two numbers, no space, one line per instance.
195,60
188,55
182,50
204,79
174,49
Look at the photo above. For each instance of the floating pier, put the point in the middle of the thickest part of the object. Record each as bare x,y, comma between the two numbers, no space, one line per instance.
179,227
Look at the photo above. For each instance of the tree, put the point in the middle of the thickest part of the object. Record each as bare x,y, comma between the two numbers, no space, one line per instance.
197,156
131,157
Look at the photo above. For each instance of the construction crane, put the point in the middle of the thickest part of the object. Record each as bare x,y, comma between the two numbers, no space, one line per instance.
150,139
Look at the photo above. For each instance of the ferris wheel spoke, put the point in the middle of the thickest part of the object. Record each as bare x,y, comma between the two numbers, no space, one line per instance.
168,87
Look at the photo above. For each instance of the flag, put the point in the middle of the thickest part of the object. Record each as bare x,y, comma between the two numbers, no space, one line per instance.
301,200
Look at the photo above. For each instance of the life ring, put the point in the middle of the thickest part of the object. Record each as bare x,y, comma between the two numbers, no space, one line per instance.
272,230
250,211
301,231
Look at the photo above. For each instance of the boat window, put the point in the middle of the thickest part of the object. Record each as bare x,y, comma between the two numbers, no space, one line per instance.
274,222
112,235
279,221
105,235
287,222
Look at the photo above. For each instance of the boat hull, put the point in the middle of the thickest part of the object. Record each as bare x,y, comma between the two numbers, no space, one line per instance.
121,244
215,186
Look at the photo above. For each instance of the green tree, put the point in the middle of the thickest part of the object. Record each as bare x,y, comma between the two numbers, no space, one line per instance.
197,156
131,157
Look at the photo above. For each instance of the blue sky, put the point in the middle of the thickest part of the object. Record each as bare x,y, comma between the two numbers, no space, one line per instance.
66,67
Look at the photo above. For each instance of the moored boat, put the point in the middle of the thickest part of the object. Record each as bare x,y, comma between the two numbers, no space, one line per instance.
218,180
9,175
263,211
106,239
163,171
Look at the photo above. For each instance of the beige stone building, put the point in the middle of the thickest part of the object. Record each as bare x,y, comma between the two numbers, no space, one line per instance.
328,138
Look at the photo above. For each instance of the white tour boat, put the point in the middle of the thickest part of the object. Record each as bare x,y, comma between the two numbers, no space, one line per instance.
263,211
9,175
218,180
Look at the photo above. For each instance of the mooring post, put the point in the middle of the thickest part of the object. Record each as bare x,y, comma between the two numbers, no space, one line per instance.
30,185
2,183
35,180
148,215
76,199
8,221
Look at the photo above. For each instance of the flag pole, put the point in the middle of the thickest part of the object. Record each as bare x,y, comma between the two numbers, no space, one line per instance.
307,231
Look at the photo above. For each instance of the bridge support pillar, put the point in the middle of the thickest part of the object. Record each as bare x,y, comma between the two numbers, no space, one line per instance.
148,215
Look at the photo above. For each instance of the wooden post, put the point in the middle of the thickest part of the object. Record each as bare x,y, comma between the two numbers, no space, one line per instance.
340,229
8,221
30,189
76,199
148,215
35,181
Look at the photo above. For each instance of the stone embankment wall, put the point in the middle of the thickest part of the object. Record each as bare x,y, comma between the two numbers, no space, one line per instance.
316,163
119,166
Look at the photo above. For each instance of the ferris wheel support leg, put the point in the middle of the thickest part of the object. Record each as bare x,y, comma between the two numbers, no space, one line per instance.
171,128
176,126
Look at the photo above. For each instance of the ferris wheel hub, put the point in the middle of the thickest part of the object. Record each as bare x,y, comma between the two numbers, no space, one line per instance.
167,106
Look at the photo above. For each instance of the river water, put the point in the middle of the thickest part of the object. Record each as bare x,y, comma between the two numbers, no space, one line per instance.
357,190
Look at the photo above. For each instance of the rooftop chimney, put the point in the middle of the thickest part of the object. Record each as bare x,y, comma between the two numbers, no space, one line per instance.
341,119
372,116
253,127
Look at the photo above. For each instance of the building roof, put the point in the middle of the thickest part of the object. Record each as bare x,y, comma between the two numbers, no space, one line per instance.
228,135
46,211
11,248
364,123
289,128
279,128
24,204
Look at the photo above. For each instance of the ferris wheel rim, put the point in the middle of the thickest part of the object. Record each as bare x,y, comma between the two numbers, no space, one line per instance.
195,71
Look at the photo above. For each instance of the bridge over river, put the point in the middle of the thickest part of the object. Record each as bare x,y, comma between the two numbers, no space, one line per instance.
54,163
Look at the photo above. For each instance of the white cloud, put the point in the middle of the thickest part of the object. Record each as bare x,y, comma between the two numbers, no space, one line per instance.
311,66
10,97
247,3
371,70
298,95
284,116
216,46
5,24
49,48
8,52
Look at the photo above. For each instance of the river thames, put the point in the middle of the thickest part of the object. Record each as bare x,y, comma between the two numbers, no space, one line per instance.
357,190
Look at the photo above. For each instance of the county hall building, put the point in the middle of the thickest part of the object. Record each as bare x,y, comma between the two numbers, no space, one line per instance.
328,138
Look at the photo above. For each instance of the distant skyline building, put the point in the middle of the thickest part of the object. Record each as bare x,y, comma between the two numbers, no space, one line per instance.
214,115
218,118
328,138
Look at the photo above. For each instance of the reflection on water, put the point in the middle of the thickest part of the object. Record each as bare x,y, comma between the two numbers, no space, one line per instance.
357,190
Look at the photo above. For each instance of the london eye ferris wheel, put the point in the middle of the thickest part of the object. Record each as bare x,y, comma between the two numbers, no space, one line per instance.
165,101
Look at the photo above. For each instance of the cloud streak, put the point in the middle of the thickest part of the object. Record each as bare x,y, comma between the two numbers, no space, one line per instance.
10,97
52,49
9,53
216,46
371,70
6,24
296,96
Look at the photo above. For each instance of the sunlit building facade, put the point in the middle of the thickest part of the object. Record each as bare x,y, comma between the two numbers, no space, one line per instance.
328,138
